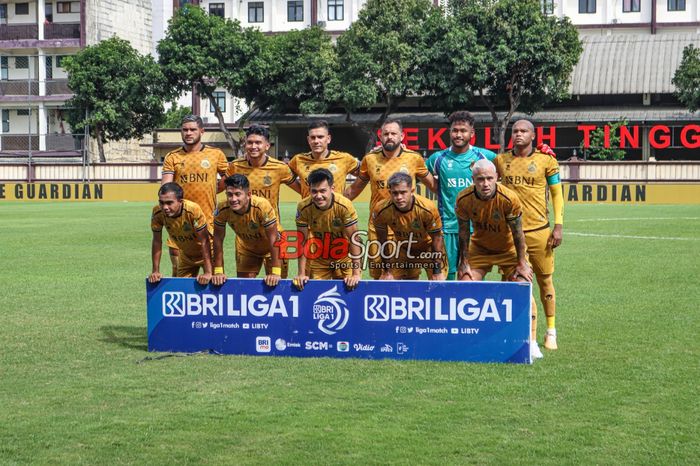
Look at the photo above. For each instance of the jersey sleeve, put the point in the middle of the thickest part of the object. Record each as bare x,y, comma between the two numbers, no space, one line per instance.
221,216
287,175
199,221
350,216
516,209
488,154
498,162
430,163
420,168
156,219
431,221
222,164
168,165
267,216
293,165
461,209
302,219
231,170
351,163
363,173
552,172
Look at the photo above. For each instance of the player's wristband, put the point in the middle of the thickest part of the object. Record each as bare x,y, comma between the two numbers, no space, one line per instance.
218,270
276,270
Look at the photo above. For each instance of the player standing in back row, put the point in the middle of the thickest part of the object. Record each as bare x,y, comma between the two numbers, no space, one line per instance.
194,167
534,176
453,169
376,168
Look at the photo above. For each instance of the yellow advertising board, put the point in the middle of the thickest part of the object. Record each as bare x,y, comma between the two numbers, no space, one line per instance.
584,193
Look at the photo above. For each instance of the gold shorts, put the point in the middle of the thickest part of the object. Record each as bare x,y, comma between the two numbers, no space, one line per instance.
188,267
329,271
247,262
506,261
410,269
541,257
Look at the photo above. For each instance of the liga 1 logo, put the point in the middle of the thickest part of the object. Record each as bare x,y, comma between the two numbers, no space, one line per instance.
331,312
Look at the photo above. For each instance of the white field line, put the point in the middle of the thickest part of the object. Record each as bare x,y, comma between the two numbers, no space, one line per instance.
598,235
633,218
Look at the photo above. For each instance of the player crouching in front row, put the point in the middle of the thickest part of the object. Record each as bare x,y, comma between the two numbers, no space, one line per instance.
417,228
254,221
187,227
325,217
498,239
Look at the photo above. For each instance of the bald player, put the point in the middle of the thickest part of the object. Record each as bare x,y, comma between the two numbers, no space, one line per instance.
194,166
417,228
265,174
495,214
254,221
340,164
187,227
376,168
534,175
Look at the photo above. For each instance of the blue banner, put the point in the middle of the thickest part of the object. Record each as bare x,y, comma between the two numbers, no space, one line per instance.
444,321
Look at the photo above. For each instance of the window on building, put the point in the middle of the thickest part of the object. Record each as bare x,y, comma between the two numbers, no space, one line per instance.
630,6
676,5
21,8
22,112
3,68
49,67
68,7
48,12
22,63
217,9
295,10
336,10
5,121
3,13
586,6
220,98
547,6
256,12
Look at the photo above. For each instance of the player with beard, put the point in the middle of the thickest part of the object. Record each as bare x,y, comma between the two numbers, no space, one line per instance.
453,169
376,168
194,167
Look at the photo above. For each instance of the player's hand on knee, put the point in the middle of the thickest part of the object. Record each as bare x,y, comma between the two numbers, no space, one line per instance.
352,281
272,279
154,277
218,279
523,272
204,278
438,277
300,281
464,273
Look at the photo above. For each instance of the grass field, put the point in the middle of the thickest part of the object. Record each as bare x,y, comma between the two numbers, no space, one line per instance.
77,385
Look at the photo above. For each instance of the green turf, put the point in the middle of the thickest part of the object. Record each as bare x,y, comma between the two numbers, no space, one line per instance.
76,386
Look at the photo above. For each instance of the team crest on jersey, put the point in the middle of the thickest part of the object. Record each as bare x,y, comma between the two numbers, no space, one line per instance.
404,169
415,224
449,164
332,168
205,163
267,180
252,225
496,216
337,223
532,168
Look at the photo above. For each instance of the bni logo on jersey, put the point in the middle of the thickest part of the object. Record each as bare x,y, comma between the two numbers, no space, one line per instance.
331,311
173,304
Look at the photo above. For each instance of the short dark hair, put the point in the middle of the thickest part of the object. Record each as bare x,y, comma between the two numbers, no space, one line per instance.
172,188
389,121
398,178
461,115
258,130
318,124
192,119
237,181
319,176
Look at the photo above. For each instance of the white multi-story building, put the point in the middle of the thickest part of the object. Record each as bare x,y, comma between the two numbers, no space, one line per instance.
35,37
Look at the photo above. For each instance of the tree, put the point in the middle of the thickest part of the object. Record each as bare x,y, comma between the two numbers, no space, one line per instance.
174,115
381,58
203,52
522,58
118,93
301,64
687,78
598,150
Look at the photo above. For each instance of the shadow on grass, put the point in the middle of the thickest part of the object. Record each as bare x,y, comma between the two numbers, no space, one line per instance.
128,337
